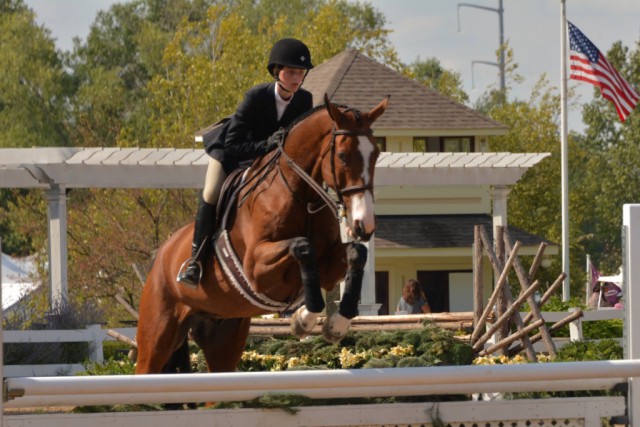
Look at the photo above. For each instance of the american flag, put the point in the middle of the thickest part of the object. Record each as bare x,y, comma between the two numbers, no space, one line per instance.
588,64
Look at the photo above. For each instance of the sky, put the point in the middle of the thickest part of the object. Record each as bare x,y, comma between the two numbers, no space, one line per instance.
456,33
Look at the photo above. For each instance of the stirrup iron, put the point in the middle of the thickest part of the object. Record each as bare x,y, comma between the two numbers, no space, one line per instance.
183,266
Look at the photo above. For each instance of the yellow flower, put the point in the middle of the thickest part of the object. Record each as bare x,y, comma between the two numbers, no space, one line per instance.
544,358
401,351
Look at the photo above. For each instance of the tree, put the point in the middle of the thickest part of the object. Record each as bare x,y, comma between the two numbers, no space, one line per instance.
34,91
34,87
120,56
209,64
430,73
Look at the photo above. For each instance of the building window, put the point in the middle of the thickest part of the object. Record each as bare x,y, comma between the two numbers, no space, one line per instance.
381,142
445,144
456,145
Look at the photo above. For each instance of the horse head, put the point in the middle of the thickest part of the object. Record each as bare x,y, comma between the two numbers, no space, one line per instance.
350,165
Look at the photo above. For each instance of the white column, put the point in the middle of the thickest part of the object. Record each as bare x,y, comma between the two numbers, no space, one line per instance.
368,305
57,208
631,281
499,198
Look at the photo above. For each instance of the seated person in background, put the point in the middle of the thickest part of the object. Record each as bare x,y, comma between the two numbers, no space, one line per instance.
413,299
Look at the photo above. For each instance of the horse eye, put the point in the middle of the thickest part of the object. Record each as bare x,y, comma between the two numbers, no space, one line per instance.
342,157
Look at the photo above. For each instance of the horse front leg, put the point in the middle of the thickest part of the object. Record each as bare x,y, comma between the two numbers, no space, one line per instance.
337,325
306,317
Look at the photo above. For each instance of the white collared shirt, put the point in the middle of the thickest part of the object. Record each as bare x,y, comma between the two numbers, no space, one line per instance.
281,104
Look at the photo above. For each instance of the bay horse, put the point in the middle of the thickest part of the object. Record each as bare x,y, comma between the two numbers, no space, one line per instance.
286,235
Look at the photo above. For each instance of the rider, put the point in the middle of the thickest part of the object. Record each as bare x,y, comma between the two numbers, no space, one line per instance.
253,131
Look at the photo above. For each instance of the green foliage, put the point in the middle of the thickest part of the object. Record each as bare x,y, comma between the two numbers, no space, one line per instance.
34,87
122,366
592,330
209,63
427,346
430,73
579,351
602,329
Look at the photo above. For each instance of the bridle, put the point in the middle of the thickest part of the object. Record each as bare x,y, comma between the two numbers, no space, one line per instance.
337,208
332,146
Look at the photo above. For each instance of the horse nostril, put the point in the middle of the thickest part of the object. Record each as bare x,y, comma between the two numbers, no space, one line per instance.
359,228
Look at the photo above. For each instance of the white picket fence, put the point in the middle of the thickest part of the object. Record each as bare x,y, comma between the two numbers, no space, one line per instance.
93,335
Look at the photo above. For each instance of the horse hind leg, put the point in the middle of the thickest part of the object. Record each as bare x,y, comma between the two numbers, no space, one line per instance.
305,318
337,325
222,341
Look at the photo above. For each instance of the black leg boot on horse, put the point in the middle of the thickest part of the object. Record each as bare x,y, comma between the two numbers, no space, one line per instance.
201,247
337,325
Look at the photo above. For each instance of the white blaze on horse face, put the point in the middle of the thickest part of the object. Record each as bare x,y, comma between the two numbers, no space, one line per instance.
362,203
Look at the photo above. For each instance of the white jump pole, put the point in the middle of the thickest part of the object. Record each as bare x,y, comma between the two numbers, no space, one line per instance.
631,281
346,383
312,393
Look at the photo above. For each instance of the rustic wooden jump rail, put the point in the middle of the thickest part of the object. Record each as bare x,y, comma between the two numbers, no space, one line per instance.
503,303
449,321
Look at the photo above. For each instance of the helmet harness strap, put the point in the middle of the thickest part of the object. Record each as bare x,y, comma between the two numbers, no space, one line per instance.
276,75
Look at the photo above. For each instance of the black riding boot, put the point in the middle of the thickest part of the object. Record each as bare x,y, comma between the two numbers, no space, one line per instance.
202,235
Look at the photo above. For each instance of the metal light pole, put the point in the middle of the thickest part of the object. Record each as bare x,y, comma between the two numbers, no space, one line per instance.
500,64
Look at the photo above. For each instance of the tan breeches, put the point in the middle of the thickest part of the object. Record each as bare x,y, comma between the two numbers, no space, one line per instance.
213,182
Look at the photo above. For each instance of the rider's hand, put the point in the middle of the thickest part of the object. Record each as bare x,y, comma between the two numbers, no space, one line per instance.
275,139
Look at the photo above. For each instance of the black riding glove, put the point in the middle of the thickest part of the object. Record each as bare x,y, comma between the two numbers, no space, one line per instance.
275,139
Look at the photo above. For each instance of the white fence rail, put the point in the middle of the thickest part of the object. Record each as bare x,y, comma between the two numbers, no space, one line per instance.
93,335
567,412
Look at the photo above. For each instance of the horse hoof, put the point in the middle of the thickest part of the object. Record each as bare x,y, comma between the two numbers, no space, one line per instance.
335,328
302,322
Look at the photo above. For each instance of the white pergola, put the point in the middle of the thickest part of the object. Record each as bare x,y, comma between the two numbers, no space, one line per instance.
56,169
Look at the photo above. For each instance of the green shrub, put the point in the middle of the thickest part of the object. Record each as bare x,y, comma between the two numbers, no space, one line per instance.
426,346
580,351
109,367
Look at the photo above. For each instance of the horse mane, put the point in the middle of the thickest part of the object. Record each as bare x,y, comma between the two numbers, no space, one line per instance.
310,112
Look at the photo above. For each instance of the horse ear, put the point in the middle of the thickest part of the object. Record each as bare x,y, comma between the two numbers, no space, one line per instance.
334,112
379,109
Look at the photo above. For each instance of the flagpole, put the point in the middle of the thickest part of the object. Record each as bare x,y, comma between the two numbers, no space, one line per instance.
564,157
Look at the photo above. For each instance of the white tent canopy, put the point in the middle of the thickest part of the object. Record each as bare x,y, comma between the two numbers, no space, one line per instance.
17,279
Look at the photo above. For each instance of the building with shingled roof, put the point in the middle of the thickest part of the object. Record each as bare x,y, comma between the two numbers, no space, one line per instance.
424,231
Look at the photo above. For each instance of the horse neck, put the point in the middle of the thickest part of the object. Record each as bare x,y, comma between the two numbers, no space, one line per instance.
307,145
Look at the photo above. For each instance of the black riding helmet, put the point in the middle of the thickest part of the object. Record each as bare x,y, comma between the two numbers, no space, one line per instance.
289,52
